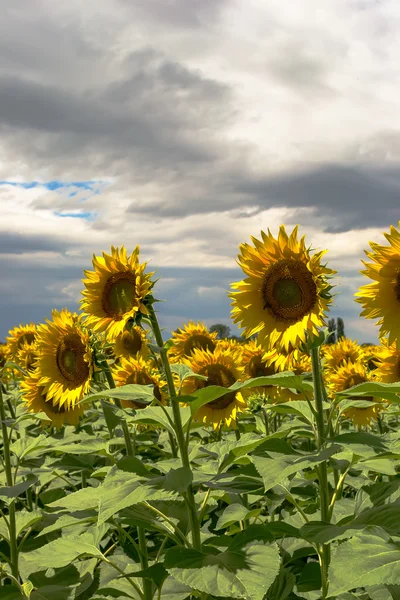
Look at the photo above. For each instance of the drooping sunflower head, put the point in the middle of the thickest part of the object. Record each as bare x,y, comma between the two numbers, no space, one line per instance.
188,338
116,291
381,298
138,371
27,357
346,377
337,355
65,363
286,292
131,343
36,400
222,368
17,337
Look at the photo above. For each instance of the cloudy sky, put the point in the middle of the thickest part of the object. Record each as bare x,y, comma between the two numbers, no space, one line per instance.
186,126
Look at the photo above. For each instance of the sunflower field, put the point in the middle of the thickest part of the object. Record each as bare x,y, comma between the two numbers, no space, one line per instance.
135,467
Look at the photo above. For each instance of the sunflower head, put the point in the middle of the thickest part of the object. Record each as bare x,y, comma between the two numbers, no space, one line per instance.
65,363
346,377
229,344
286,292
36,400
255,366
222,368
345,350
116,291
381,298
3,354
17,337
189,338
131,343
138,371
27,357
388,366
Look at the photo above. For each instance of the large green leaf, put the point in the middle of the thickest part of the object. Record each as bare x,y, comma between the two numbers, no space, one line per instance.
379,390
9,493
131,391
363,561
244,572
61,552
274,470
80,500
207,394
121,489
235,513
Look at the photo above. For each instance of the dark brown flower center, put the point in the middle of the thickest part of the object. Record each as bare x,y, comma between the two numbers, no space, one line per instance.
70,358
258,368
397,287
288,290
119,295
54,409
222,376
30,361
26,338
200,341
132,341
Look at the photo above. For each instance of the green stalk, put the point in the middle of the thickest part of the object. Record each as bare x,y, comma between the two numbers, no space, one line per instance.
125,428
144,562
9,478
322,469
180,435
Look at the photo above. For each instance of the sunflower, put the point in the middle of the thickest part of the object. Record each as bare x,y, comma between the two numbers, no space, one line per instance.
115,291
373,354
222,368
132,342
65,363
36,399
286,292
3,354
388,367
337,355
299,363
346,377
138,371
17,337
281,358
229,344
381,299
27,356
255,366
188,338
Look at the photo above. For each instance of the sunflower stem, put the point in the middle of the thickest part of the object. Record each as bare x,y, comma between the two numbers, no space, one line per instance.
9,479
180,435
125,428
144,562
322,471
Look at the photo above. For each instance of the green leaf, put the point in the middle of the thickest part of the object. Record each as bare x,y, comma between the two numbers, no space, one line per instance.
30,446
174,590
8,493
245,572
235,513
25,519
121,489
132,391
61,552
282,586
379,390
80,500
184,371
297,407
155,415
273,470
67,521
363,561
212,392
